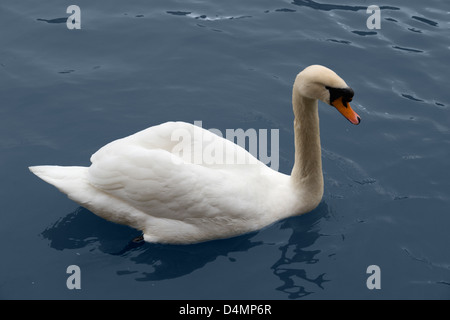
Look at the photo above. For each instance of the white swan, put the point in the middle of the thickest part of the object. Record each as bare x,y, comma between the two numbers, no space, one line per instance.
142,182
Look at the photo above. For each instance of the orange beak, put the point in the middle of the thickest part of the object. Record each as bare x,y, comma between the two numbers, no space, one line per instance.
346,111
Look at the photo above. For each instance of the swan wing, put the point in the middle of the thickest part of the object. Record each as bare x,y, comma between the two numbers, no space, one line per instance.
152,172
187,143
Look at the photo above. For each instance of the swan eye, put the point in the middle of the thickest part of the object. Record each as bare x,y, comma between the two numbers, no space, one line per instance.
336,93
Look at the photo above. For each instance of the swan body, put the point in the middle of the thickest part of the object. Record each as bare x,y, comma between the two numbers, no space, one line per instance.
175,196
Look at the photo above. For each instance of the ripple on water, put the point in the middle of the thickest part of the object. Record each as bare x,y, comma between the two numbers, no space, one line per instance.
329,7
427,21
407,49
410,97
57,20
204,16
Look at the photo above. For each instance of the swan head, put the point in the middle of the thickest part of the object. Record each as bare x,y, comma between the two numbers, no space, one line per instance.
319,82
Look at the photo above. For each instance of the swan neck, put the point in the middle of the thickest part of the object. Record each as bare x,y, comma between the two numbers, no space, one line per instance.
307,171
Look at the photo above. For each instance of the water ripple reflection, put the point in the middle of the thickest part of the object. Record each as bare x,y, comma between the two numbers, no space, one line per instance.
154,262
297,254
329,7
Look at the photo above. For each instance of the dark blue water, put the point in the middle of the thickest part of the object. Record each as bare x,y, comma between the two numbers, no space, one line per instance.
65,93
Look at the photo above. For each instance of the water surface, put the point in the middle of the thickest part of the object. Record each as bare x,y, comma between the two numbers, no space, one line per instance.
65,93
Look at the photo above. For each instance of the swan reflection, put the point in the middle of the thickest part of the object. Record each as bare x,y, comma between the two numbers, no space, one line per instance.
153,262
296,255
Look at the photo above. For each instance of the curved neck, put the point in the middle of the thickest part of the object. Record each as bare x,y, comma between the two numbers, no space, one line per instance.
307,171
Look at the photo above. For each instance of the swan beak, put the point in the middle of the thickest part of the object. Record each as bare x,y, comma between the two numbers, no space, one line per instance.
346,111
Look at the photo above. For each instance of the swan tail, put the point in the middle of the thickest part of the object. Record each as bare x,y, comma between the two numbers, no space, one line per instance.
72,181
